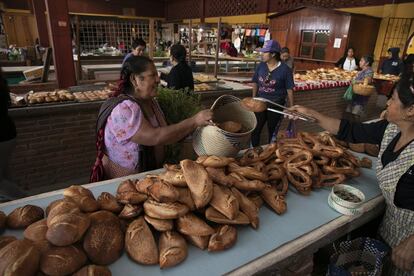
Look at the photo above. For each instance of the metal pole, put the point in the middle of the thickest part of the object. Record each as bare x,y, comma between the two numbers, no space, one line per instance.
217,48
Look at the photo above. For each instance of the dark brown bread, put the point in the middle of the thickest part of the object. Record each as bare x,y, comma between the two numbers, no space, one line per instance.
62,260
5,240
3,219
82,197
24,216
36,231
19,257
66,229
93,270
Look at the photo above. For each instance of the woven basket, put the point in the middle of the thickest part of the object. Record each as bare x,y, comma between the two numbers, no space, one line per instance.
212,140
363,90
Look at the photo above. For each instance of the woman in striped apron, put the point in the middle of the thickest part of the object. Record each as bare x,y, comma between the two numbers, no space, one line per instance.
395,168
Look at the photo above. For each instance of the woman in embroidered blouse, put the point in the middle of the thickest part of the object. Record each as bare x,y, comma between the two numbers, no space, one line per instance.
395,168
131,127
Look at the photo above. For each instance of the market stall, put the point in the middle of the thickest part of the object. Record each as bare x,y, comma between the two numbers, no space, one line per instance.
276,242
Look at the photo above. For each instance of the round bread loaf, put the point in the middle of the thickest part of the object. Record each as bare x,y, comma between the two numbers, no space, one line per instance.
24,216
253,105
62,260
19,257
36,231
82,197
66,229
3,219
5,240
173,249
93,270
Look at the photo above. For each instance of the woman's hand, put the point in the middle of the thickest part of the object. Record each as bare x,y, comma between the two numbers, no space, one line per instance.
403,254
203,117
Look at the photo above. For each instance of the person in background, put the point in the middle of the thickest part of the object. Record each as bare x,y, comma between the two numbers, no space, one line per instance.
408,65
394,169
273,80
180,76
131,128
8,190
348,62
287,58
358,103
393,64
138,49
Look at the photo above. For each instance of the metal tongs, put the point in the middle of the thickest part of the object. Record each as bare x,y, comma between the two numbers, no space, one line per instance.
299,115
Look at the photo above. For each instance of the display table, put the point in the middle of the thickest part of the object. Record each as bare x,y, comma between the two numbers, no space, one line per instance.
308,224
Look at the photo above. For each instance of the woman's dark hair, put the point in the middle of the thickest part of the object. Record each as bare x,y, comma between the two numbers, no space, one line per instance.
138,42
368,59
405,90
178,52
5,100
134,65
284,50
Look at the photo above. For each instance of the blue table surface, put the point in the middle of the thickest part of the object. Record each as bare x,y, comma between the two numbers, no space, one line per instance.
304,214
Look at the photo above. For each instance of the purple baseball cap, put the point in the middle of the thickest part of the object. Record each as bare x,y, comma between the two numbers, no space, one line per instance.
270,46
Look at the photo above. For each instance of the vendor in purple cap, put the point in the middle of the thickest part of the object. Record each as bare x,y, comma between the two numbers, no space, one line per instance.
272,80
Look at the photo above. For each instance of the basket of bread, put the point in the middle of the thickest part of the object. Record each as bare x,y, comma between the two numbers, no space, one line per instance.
363,89
231,131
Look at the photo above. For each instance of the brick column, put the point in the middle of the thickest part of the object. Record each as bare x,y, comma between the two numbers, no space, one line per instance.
59,26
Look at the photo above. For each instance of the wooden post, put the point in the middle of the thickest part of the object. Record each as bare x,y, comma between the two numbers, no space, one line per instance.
151,42
79,64
190,38
59,26
217,48
39,9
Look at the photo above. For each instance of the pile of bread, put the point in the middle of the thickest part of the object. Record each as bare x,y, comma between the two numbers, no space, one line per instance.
95,95
199,77
153,219
203,87
49,97
387,77
322,74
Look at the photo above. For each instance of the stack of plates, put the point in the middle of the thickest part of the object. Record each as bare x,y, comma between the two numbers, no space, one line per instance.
346,200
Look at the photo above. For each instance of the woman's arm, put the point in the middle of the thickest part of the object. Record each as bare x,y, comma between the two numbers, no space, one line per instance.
150,136
371,133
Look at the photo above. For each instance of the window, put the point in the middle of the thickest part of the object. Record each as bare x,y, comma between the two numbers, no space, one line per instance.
313,43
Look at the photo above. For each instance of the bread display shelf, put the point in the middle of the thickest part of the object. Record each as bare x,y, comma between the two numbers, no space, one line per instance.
274,232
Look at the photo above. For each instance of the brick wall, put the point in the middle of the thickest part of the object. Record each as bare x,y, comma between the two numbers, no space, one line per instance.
56,144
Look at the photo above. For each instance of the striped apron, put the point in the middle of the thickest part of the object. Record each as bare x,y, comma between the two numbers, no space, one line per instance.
398,223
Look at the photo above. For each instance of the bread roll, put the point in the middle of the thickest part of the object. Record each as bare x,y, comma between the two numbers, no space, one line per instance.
140,243
19,257
24,216
215,216
42,246
224,238
67,229
55,203
231,126
214,161
276,201
62,207
198,182
171,210
130,211
62,260
256,199
103,243
36,231
225,202
174,176
198,241
104,217
5,240
93,270
128,194
173,249
248,207
163,192
185,198
142,185
82,197
161,225
253,105
3,219
108,202
190,224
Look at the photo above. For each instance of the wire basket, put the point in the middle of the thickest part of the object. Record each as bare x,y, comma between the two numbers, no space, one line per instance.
359,257
212,140
363,90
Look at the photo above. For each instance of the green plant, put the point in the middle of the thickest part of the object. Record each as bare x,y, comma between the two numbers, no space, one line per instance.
177,106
